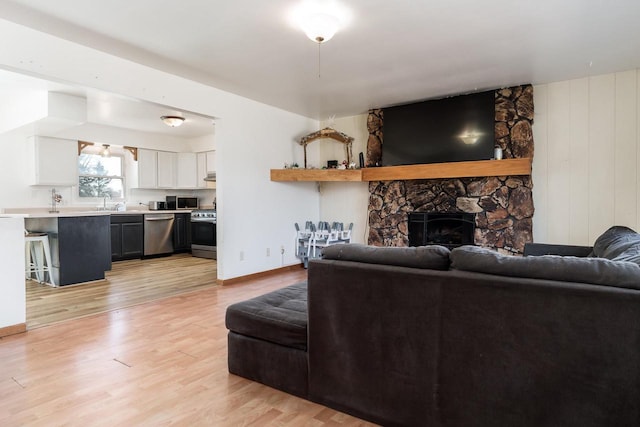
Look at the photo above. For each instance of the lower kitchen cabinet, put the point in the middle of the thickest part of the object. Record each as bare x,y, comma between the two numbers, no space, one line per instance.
127,237
182,232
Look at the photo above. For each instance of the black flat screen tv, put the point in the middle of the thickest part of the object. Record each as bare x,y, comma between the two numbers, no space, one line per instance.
435,131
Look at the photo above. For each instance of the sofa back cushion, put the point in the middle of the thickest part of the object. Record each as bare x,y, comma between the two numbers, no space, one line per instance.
618,244
429,257
597,271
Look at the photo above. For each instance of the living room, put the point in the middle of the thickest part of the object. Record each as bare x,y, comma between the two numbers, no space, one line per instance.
585,130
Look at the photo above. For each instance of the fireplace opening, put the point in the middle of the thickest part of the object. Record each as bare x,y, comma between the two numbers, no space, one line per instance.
446,229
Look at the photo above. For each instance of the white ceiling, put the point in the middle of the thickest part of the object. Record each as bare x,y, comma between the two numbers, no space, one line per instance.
111,110
389,52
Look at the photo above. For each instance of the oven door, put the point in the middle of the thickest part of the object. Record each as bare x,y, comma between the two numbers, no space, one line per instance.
203,239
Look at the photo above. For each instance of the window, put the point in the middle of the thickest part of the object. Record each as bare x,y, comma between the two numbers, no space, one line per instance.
100,176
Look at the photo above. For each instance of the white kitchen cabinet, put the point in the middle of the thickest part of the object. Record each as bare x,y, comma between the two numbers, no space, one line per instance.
156,169
211,161
201,169
162,169
147,168
187,173
167,165
206,166
55,161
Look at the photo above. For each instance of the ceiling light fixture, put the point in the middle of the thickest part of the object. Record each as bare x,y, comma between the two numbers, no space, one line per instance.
173,121
320,19
320,27
106,151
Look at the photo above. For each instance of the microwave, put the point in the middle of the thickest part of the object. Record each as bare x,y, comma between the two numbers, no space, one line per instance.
180,202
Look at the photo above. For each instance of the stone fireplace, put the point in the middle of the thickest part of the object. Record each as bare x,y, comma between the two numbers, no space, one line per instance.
503,206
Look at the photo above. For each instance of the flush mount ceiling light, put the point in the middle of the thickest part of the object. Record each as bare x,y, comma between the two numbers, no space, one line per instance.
320,27
320,20
173,121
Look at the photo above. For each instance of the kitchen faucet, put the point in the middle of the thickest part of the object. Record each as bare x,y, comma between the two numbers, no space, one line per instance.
55,199
104,201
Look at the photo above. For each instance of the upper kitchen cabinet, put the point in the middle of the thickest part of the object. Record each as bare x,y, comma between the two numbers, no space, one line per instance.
211,161
147,168
187,174
162,169
156,169
206,169
55,161
167,166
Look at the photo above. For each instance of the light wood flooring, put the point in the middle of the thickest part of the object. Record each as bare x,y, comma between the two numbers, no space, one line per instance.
154,364
128,283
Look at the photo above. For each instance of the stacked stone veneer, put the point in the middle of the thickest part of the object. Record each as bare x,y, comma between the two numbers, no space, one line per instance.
503,205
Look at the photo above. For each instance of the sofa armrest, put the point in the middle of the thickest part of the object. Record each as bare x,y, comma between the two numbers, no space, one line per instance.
538,249
373,339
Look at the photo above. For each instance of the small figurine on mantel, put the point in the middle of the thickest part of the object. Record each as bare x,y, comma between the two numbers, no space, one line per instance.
331,134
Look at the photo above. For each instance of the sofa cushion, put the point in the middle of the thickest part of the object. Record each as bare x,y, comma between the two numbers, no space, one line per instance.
279,316
597,271
430,257
618,244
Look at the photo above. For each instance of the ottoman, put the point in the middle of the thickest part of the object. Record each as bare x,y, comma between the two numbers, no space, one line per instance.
268,339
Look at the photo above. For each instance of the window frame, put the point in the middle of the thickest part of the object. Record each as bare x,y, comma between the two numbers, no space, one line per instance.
122,177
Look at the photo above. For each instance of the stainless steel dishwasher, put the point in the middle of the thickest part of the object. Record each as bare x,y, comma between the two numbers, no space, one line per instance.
158,234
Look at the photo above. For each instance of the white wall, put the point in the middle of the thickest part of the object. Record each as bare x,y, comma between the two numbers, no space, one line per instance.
263,212
202,143
13,301
253,212
587,156
20,106
345,202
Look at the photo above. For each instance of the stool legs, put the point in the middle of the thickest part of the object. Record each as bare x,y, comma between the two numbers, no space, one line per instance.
38,259
47,256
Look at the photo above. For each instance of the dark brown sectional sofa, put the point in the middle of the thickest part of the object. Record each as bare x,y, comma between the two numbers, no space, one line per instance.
427,337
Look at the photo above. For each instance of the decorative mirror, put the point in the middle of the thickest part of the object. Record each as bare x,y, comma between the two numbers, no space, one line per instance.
331,134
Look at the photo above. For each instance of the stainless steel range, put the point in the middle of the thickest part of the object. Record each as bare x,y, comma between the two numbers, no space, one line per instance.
203,233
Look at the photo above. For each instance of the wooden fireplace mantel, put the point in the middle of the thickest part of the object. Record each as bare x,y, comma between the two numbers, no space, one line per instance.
471,169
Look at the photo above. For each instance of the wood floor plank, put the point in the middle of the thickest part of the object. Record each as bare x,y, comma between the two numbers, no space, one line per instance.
154,364
128,283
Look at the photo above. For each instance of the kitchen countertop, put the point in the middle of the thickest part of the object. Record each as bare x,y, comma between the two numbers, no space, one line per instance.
65,213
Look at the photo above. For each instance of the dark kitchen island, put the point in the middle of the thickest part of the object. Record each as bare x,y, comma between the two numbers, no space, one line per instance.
80,244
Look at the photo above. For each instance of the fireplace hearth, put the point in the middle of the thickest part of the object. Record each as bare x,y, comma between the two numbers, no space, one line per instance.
446,229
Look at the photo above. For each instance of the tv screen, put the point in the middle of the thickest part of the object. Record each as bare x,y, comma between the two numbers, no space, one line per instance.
443,130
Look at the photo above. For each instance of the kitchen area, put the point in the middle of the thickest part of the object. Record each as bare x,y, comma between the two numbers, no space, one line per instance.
159,204
83,244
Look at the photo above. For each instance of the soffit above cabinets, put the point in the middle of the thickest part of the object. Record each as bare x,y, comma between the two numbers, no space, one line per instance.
54,107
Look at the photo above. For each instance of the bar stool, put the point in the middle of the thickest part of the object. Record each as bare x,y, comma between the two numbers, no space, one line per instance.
35,245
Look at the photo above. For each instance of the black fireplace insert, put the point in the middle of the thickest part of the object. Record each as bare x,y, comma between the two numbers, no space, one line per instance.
446,229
